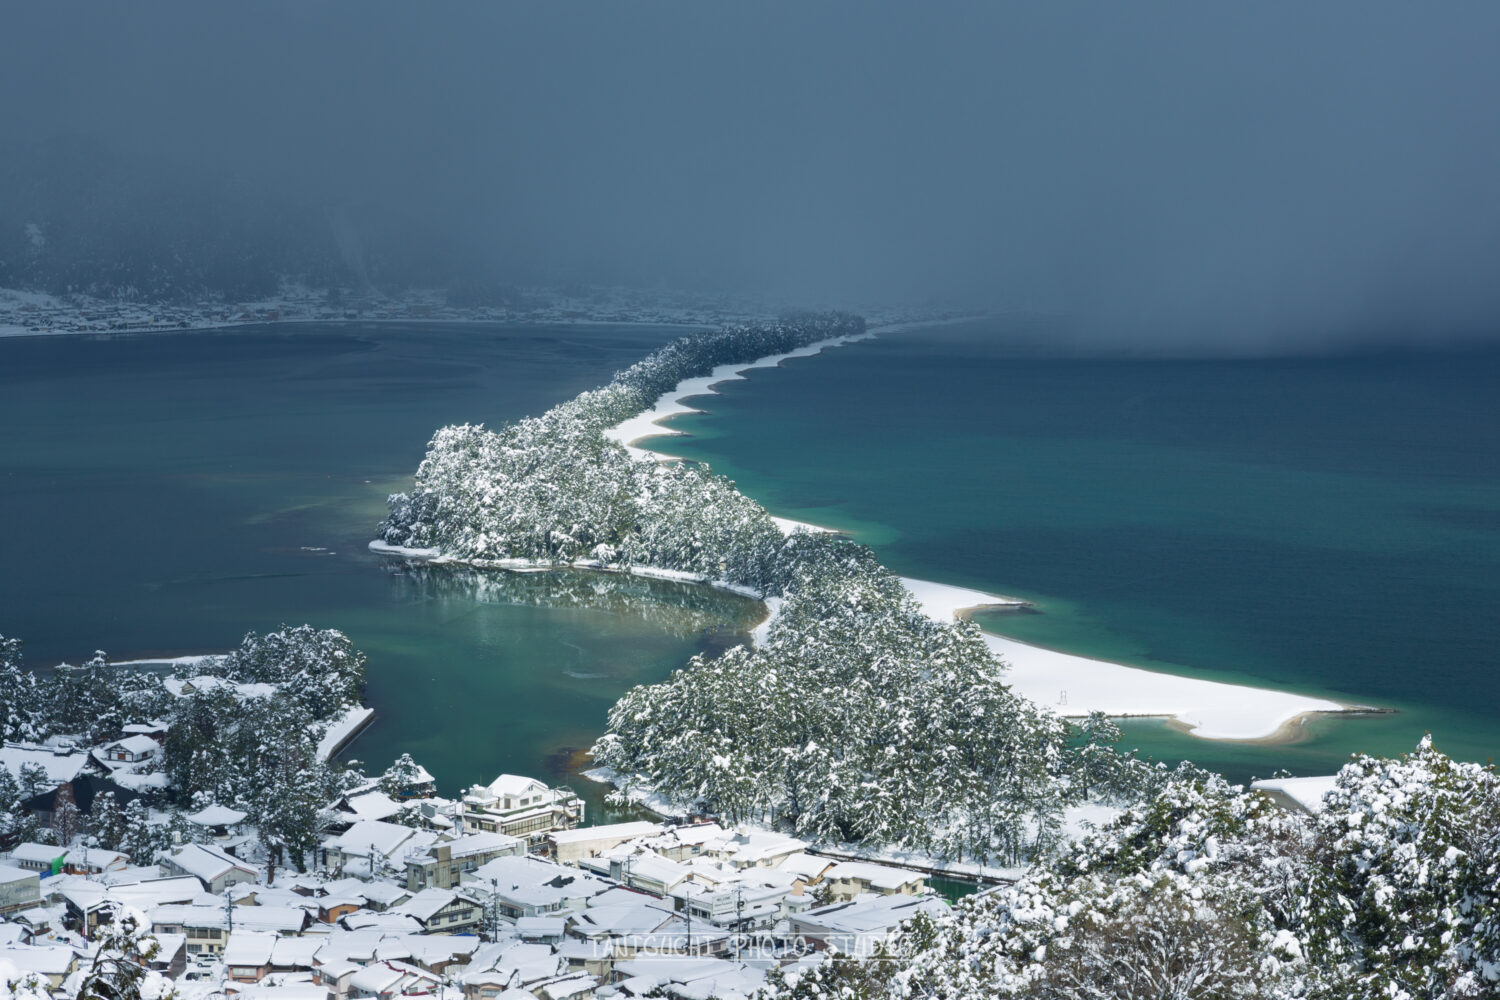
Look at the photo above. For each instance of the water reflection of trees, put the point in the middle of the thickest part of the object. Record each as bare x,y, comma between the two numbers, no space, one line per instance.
682,609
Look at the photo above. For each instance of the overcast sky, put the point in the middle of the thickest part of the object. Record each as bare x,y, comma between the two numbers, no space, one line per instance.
1265,173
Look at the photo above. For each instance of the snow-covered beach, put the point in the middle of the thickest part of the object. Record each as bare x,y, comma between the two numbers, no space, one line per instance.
648,423
1069,684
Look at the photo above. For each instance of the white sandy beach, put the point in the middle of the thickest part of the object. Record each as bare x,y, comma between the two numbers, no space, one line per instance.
1077,685
648,424
1070,685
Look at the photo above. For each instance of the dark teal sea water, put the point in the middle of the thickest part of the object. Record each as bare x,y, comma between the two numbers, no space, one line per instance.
165,494
1327,525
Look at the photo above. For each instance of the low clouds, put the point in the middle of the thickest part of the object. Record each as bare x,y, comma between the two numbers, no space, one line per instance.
1189,176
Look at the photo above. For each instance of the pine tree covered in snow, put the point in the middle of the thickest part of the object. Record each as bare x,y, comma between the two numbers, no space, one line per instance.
554,489
1204,890
859,720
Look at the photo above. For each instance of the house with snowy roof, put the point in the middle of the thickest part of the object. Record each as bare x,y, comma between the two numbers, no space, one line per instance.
387,980
520,807
620,913
859,925
184,687
639,869
374,845
88,900
686,977
574,986
205,929
44,858
499,968
60,763
216,869
808,867
130,750
53,963
156,729
853,878
758,849
531,887
295,953
247,955
568,846
683,843
444,864
80,791
219,821
357,805
443,911
433,952
745,902
388,923
20,889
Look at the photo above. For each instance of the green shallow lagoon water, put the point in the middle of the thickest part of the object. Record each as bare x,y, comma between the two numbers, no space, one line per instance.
165,494
1325,525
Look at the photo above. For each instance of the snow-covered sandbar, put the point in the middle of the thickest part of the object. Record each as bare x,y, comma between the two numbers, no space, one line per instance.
1068,684
1073,685
648,423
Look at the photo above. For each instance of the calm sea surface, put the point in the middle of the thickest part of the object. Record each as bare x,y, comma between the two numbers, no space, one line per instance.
1330,526
1322,525
165,494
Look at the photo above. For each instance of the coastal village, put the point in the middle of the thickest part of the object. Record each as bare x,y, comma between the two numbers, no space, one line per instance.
29,313
502,892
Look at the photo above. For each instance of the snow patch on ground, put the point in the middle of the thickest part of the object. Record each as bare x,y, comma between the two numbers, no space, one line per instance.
341,730
761,634
942,603
1306,792
788,526
168,661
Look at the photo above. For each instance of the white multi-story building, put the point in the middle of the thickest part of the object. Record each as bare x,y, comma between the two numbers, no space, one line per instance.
520,807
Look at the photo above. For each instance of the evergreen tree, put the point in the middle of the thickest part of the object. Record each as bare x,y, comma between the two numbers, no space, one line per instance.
19,699
402,779
139,835
34,781
107,824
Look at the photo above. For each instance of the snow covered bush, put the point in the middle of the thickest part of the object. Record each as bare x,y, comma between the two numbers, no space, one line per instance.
1206,890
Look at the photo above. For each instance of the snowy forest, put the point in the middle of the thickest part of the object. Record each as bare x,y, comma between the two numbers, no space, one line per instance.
1392,891
243,733
858,720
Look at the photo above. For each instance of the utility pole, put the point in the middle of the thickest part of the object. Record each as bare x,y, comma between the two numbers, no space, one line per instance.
228,911
739,919
494,914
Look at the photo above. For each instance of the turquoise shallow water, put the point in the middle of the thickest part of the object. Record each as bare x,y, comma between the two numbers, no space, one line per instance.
1324,525
1331,525
166,494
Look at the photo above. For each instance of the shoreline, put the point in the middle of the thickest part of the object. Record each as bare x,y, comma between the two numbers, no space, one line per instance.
435,557
1067,683
9,333
647,424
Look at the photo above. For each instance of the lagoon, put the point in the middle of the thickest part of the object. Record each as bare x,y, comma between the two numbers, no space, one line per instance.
164,494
